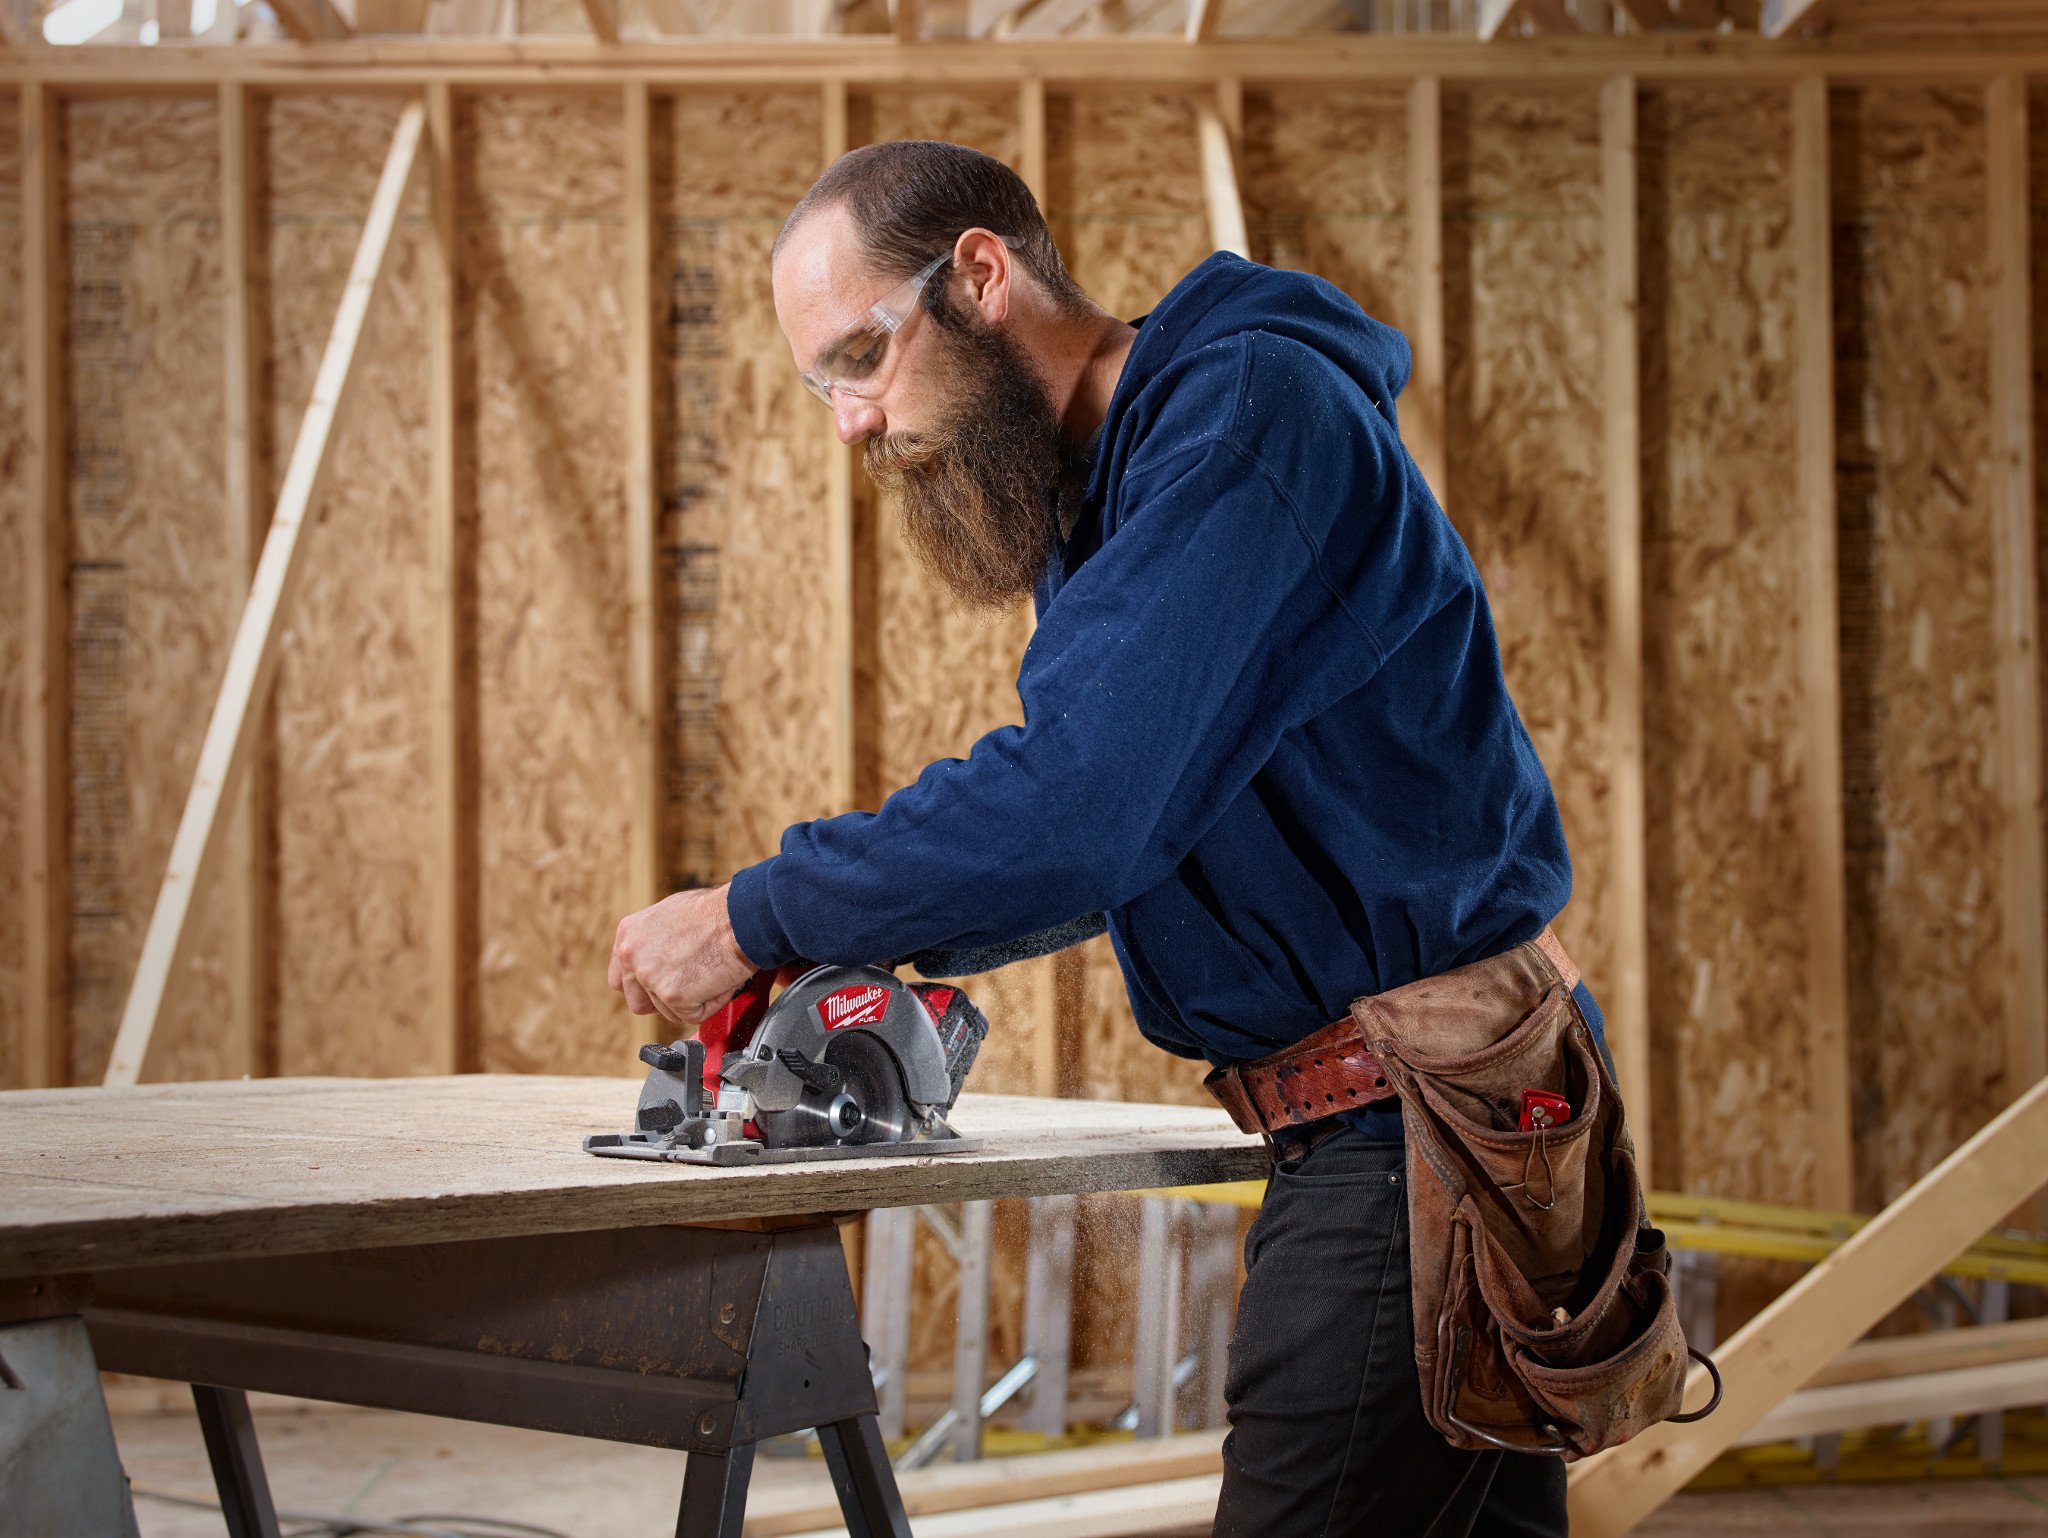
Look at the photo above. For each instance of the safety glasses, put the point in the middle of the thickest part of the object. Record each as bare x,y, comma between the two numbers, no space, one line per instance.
853,364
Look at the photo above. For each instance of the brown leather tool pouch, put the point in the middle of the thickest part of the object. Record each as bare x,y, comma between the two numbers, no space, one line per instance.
1544,1320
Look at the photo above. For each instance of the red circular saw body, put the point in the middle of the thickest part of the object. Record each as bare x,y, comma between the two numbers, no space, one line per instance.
735,1023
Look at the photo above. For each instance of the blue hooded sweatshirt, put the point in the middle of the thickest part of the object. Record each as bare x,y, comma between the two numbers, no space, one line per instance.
1265,728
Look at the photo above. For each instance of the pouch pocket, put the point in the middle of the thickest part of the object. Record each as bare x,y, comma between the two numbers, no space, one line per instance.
1575,1322
1552,1194
1603,1403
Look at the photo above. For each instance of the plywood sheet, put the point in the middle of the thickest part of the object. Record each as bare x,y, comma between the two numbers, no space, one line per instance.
14,529
355,804
1722,600
744,509
542,243
1523,367
155,589
216,1171
1923,825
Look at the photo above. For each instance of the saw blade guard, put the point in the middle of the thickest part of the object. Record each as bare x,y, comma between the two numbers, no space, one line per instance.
824,1003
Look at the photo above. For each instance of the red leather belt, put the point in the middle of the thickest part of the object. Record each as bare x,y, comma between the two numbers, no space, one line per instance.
1327,1073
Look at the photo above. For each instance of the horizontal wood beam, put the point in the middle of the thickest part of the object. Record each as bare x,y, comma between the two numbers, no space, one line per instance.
253,658
1822,1314
1108,62
1905,1356
1898,1401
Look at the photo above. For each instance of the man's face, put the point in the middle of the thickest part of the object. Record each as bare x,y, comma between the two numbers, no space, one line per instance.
959,429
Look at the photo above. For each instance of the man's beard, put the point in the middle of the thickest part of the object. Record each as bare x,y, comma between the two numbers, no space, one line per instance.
980,493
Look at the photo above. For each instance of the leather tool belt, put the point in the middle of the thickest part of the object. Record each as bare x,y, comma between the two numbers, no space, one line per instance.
1544,1320
1330,1072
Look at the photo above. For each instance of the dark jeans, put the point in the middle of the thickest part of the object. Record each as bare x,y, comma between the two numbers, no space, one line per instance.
1327,1433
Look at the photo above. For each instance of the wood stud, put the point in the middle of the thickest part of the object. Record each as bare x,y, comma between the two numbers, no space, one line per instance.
648,623
1056,981
1625,997
2016,572
1827,980
457,1046
1227,231
1424,402
250,837
837,140
45,600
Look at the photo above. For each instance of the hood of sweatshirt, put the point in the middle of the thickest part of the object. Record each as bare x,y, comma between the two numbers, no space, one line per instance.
1224,298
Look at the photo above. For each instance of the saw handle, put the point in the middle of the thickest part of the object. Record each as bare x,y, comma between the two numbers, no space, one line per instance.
732,1027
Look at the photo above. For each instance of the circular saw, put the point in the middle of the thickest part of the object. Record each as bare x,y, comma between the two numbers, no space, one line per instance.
843,1062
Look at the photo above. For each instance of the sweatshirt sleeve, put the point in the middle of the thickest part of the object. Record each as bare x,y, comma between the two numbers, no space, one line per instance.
1159,680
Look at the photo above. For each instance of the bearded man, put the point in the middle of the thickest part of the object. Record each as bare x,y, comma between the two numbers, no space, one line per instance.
1265,734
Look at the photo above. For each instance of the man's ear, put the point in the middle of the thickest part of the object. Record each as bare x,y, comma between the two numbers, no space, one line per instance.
980,256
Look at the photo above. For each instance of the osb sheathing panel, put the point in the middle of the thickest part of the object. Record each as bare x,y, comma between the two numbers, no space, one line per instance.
355,804
1325,187
1923,820
1126,194
542,241
1724,713
155,589
1522,295
944,678
1724,698
14,692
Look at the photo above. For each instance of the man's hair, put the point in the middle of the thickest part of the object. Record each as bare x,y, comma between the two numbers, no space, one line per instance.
911,199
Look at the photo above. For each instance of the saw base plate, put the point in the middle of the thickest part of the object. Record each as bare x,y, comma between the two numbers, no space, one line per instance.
632,1146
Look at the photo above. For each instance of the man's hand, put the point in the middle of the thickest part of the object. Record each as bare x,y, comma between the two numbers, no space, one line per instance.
678,959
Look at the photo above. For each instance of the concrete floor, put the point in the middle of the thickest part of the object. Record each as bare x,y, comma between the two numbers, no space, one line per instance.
386,1466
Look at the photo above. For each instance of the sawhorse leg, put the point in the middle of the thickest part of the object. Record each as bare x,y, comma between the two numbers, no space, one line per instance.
715,1493
715,1485
859,1462
237,1461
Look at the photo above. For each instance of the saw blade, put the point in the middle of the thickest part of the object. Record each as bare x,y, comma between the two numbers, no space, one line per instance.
868,1107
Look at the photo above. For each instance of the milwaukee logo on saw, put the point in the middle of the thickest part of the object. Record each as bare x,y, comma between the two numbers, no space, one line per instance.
857,1005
